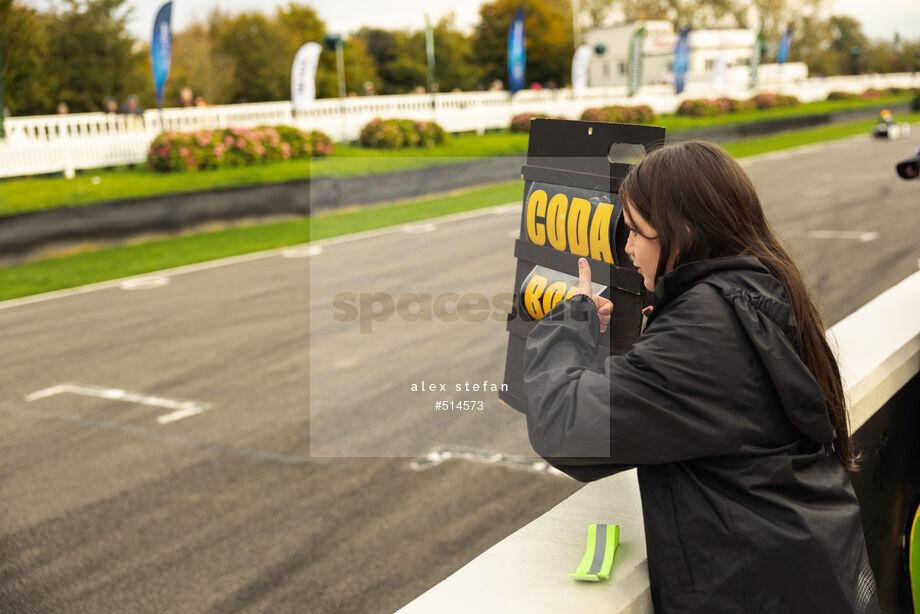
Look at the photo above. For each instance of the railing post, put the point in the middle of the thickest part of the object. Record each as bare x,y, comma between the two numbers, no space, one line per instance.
64,136
480,118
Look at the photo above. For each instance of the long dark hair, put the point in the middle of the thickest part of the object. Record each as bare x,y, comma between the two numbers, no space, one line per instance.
703,205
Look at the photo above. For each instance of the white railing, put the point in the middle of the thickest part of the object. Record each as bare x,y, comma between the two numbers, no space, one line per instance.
56,143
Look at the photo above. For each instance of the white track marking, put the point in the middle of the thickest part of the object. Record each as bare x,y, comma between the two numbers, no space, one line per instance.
419,228
443,453
144,283
863,236
183,409
302,251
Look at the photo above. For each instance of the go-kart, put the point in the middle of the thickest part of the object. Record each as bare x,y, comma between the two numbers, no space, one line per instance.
891,130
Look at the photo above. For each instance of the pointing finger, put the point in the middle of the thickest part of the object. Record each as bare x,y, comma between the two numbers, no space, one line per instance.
584,278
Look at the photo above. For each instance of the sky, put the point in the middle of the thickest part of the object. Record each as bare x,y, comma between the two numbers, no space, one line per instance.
880,18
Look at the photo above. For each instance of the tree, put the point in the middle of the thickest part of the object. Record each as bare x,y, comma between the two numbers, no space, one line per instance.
848,38
398,57
200,66
256,46
811,43
687,13
24,36
547,39
453,53
92,54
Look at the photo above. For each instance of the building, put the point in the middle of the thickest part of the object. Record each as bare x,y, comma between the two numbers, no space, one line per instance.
708,48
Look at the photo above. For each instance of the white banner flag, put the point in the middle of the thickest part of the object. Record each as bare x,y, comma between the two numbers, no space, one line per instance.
580,62
303,75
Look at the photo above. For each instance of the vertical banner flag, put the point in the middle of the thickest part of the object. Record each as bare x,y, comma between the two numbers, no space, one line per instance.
429,52
303,75
755,58
161,50
580,62
516,53
635,61
681,60
783,50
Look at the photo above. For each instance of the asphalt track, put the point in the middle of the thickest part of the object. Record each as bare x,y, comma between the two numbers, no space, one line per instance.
297,486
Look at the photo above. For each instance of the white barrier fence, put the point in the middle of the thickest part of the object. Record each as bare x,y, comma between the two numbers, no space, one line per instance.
64,143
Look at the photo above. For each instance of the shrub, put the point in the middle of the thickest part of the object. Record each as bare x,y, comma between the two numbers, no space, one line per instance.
400,133
842,96
699,107
641,114
521,121
207,149
741,106
772,101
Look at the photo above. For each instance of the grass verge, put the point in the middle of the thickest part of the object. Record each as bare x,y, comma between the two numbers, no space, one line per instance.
35,193
115,262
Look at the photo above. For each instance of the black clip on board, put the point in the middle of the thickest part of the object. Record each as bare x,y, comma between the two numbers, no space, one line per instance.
572,209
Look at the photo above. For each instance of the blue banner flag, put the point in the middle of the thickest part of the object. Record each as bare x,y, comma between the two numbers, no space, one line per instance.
161,50
516,53
681,60
783,50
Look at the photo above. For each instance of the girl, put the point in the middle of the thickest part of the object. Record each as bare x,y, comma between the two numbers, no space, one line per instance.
729,404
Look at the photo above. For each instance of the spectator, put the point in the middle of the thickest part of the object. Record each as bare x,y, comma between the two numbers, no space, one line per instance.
200,102
62,108
186,97
496,86
132,107
110,105
368,88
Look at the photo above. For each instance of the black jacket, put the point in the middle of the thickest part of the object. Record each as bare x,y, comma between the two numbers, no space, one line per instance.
746,507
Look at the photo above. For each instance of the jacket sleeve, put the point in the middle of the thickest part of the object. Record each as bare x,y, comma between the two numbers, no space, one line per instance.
676,395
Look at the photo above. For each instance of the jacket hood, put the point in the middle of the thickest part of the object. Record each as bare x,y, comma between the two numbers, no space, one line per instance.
759,301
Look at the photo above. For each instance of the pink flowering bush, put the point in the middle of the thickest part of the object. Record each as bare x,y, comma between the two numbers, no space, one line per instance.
401,133
207,149
705,107
641,114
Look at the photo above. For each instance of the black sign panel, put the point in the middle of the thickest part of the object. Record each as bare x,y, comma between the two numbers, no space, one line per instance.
572,210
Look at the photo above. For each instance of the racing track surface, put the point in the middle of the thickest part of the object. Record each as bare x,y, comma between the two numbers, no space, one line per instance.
112,501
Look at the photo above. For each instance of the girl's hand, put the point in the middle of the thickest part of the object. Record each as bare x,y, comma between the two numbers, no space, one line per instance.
604,306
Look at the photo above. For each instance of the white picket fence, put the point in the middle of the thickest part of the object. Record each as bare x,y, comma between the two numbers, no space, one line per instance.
63,143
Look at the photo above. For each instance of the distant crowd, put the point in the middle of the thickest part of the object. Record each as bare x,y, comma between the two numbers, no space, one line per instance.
131,106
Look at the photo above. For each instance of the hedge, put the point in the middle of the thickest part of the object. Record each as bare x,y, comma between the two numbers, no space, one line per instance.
705,107
521,121
206,149
641,114
401,133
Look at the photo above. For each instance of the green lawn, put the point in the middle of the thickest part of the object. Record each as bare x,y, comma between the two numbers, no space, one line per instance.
679,122
28,194
115,262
